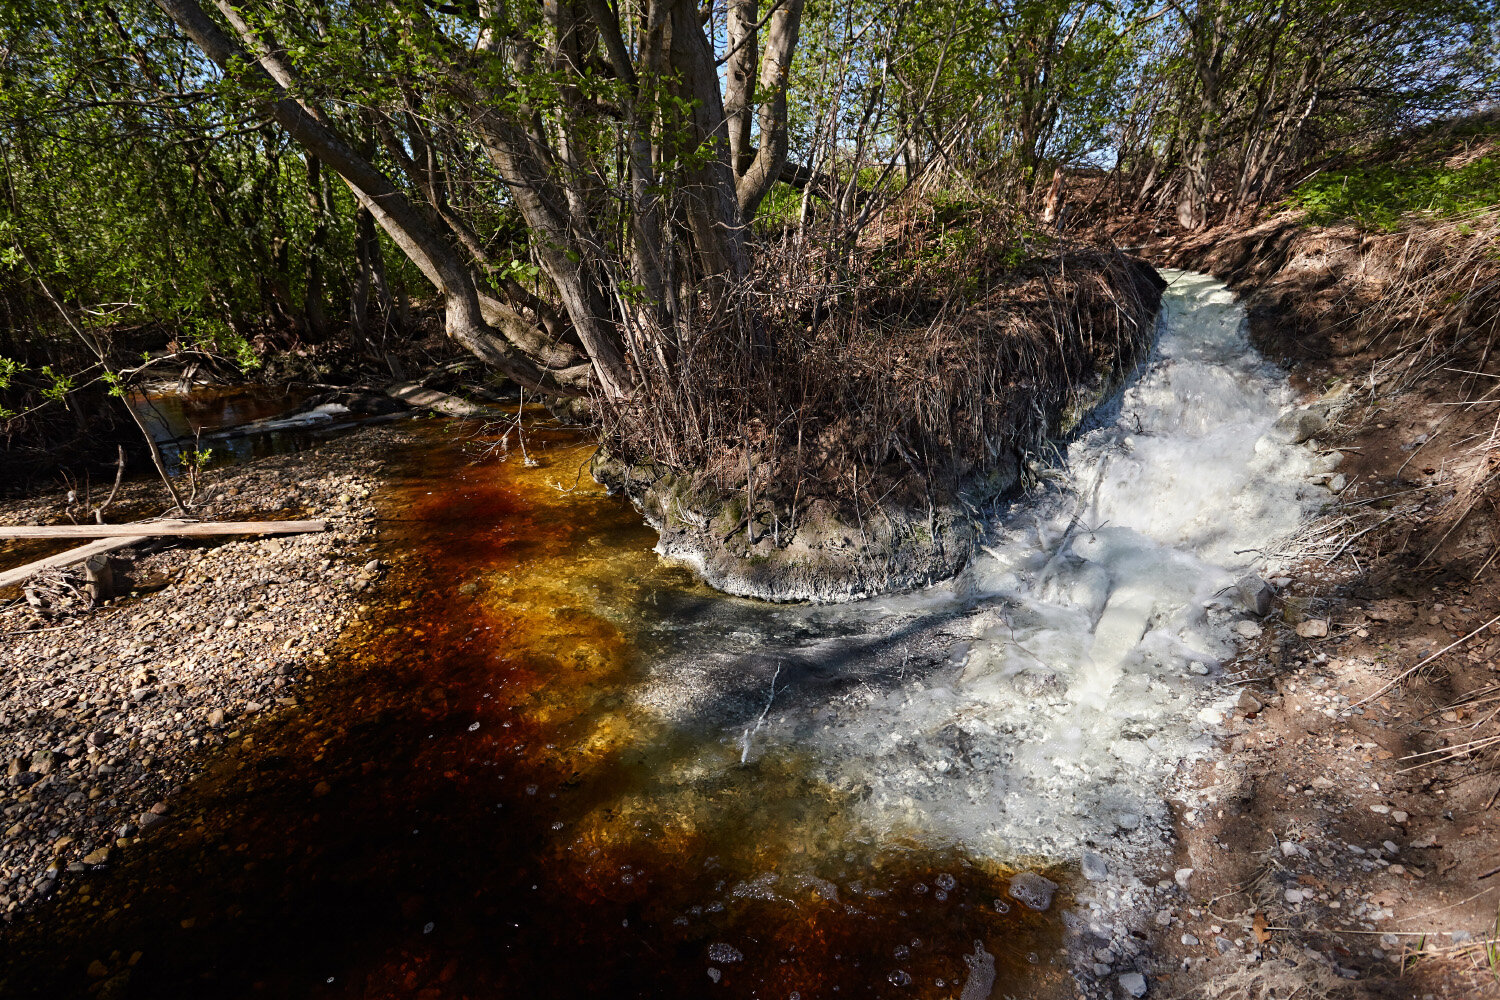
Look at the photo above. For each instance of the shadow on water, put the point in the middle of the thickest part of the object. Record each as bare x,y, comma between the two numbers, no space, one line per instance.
240,423
470,803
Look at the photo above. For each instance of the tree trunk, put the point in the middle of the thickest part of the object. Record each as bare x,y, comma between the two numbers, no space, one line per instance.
412,233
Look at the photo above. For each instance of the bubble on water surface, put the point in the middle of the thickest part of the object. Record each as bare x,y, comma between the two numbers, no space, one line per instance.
724,953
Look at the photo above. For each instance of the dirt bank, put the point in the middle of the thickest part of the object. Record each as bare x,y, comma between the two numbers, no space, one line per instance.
881,483
1346,843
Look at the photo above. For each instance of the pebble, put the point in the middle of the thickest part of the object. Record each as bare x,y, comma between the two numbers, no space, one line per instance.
1312,628
1294,896
100,724
1128,821
1095,868
1182,876
1248,629
1133,984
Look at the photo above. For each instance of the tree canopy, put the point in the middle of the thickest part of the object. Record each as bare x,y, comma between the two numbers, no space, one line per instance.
585,185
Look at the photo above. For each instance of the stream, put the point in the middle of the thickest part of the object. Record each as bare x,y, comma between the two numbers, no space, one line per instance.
556,766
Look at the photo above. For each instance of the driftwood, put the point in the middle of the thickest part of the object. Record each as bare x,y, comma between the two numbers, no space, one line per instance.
415,394
11,577
120,536
156,529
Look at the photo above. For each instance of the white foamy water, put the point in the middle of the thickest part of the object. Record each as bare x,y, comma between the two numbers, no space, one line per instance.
1060,683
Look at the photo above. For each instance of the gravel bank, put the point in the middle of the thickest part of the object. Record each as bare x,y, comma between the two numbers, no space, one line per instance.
105,714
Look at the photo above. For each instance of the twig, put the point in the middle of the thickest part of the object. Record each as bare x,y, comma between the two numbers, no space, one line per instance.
1419,665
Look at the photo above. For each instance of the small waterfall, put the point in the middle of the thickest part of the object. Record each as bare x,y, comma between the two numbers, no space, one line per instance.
1045,698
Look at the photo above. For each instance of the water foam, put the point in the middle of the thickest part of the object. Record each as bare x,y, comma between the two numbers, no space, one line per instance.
1071,670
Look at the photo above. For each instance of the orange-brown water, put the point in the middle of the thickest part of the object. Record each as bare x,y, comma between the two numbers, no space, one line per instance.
472,803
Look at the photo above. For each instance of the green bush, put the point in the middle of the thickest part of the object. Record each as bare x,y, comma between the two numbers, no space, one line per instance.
1379,196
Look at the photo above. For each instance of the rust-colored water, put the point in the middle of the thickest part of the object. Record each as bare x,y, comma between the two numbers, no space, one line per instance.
472,805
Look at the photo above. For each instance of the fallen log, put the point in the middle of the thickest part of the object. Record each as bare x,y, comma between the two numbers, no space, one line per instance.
122,536
415,394
11,577
157,529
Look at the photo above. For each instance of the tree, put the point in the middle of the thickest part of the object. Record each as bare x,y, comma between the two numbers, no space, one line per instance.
626,160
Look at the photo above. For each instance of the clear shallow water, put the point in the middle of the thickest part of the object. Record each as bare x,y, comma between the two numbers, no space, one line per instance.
559,767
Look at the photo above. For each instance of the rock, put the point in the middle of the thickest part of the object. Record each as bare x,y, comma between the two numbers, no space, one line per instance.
1294,896
1128,821
98,857
1182,876
216,717
1249,703
1255,595
1248,630
1399,815
1297,426
1133,984
1288,849
1095,868
1313,628
1191,940
97,969
1032,891
1338,483
321,789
